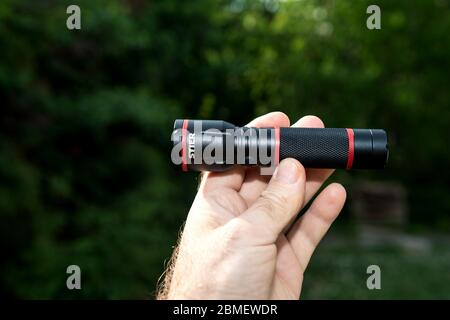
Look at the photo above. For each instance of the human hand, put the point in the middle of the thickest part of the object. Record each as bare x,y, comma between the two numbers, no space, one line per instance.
238,242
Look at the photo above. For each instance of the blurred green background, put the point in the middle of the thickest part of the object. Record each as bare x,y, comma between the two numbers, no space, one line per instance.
85,170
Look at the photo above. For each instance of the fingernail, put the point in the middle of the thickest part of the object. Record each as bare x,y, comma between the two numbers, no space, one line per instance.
287,172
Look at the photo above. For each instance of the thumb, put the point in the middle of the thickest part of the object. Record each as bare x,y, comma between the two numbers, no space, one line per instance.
280,201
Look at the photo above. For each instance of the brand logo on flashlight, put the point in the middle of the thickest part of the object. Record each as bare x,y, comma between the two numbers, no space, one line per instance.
191,145
205,147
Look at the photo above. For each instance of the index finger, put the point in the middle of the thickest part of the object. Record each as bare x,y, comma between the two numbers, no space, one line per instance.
314,177
234,177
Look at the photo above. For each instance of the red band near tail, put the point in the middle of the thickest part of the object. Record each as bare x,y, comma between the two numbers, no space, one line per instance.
277,146
183,146
351,148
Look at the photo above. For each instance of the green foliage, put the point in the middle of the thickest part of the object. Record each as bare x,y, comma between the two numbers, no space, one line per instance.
87,114
339,271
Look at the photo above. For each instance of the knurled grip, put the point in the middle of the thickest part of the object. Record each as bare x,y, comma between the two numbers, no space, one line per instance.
316,147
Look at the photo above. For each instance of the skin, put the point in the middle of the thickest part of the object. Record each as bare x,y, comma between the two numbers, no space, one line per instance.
239,241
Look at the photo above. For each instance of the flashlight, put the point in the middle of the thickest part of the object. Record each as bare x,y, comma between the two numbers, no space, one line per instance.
215,145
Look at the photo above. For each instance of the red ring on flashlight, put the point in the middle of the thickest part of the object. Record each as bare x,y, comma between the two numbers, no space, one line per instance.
351,148
277,146
183,146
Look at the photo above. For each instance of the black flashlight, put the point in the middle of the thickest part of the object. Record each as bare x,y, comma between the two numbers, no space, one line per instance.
215,145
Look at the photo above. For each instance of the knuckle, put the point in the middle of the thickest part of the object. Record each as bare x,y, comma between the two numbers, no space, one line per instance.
236,229
228,200
271,202
239,232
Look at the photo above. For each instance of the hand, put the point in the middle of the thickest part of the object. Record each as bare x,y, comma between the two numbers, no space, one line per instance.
234,244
